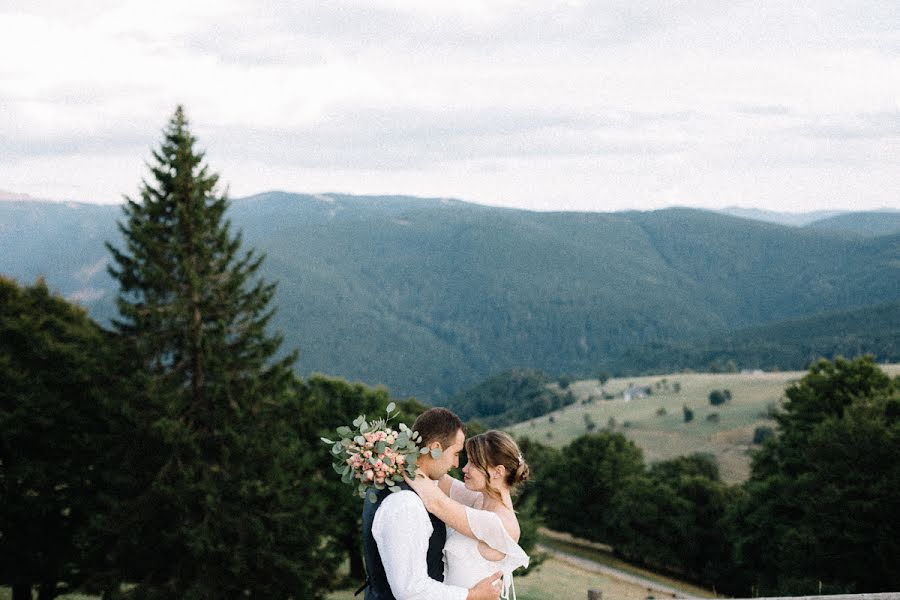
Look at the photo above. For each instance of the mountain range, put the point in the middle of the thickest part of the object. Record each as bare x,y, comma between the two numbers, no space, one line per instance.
430,296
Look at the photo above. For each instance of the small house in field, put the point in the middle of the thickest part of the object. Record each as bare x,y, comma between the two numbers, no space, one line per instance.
636,391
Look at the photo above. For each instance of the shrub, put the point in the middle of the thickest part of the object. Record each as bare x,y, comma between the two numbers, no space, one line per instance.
717,397
761,434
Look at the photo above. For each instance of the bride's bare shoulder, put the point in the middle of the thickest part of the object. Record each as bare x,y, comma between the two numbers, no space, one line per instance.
510,522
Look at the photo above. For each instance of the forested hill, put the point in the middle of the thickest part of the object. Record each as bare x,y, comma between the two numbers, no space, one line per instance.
863,223
430,296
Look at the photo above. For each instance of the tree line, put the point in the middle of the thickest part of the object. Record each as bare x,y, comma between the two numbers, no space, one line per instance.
818,514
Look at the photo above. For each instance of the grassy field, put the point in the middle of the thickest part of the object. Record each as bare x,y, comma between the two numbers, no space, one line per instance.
553,580
556,580
664,436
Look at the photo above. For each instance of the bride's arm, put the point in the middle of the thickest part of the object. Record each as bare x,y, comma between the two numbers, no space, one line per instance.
440,504
445,483
456,514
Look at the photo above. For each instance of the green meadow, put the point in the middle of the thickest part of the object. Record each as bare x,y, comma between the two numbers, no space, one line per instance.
656,424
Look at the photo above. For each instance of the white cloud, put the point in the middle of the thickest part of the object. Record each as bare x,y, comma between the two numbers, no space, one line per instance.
548,105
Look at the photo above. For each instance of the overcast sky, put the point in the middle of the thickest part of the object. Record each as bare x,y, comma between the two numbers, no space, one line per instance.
546,105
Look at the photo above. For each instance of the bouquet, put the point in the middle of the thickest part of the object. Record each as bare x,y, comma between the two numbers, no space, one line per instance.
373,456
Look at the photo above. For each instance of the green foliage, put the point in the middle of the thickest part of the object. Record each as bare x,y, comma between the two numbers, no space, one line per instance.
60,377
672,518
228,504
762,433
580,481
687,413
717,397
820,507
510,397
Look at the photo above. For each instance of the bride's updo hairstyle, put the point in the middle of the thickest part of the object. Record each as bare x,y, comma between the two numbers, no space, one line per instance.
492,449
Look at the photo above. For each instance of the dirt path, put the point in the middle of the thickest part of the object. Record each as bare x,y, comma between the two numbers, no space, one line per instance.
653,588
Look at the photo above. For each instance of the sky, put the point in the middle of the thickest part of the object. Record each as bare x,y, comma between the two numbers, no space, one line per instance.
543,105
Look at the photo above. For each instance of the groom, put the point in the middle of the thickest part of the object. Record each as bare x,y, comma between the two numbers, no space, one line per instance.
403,545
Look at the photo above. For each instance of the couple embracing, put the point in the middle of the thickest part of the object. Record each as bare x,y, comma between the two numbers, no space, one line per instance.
440,538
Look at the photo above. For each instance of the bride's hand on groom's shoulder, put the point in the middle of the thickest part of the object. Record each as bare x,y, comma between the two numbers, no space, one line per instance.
424,487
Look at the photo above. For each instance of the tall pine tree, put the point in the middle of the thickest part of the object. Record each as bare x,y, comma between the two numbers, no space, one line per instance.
227,508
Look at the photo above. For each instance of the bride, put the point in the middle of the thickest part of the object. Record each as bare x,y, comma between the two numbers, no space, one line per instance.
483,528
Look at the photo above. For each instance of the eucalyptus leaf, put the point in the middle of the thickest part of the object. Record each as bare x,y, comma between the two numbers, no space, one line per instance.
373,497
436,453
423,451
372,460
344,431
363,427
358,420
395,488
338,468
360,440
380,447
391,407
336,449
347,477
326,440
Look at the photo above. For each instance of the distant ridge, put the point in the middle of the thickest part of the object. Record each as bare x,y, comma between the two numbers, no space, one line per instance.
431,296
861,223
786,345
781,218
7,196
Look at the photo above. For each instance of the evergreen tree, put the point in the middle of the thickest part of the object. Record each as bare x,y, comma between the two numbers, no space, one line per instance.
58,376
228,507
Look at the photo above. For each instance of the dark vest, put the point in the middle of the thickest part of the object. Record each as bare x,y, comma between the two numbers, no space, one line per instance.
377,587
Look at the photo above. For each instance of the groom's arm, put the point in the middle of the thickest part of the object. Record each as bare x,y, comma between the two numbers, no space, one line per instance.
401,529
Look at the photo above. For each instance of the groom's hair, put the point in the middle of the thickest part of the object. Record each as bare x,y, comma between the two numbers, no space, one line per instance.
438,425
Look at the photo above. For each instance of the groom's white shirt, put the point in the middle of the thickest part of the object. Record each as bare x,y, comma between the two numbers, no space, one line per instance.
401,529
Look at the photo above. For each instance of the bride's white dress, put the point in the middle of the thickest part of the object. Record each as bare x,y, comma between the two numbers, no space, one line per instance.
463,563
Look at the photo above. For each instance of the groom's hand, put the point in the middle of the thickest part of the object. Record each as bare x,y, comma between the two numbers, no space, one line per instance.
487,589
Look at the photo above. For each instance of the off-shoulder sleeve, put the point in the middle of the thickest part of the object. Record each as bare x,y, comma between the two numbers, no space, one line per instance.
488,528
463,495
